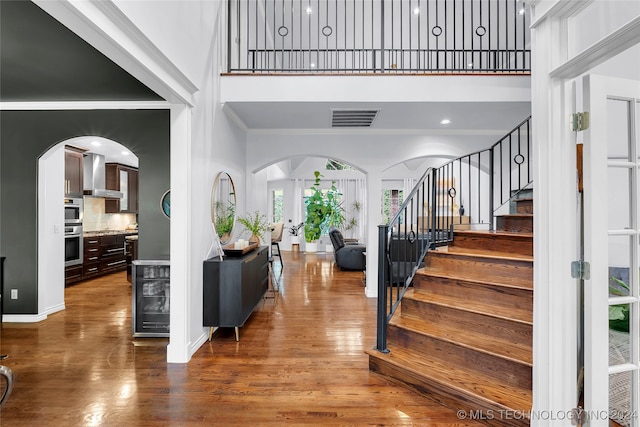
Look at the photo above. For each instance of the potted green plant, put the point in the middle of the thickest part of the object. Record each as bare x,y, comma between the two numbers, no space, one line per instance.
317,212
335,216
256,224
224,220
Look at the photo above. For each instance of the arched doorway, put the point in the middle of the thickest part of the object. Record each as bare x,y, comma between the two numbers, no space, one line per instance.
51,217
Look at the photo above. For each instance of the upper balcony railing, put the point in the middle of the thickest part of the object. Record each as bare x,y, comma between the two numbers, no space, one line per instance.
378,36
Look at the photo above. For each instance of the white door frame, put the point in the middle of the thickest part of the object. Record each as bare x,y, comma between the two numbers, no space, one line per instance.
597,234
103,25
555,297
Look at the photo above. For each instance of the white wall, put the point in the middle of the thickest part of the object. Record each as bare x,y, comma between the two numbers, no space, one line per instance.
192,35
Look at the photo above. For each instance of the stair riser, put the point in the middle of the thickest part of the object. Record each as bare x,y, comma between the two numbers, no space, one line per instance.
475,292
505,370
515,224
517,332
494,243
444,393
524,206
492,270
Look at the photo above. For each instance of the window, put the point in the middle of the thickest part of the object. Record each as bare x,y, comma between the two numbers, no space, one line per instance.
391,202
277,199
336,165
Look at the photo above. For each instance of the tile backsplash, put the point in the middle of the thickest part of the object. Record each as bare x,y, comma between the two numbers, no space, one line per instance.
95,218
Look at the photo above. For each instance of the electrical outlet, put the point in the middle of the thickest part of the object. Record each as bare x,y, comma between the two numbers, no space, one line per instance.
14,294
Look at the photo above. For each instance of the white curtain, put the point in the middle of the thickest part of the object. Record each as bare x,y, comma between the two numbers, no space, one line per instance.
354,194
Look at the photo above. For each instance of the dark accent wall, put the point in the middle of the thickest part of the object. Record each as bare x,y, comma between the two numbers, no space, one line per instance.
42,60
26,135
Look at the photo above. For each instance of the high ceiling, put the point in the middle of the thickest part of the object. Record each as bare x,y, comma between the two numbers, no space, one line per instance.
41,60
405,117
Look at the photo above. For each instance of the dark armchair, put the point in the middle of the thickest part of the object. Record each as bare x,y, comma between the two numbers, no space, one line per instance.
348,257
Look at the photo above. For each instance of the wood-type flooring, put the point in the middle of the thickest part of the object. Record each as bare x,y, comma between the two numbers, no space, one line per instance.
300,361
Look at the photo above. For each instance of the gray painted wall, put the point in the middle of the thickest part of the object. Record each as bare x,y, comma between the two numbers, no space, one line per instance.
26,135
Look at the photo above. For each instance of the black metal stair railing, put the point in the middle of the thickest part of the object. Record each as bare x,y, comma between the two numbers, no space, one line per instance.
378,36
467,192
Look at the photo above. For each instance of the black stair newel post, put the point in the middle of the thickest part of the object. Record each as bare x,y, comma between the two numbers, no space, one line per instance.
381,335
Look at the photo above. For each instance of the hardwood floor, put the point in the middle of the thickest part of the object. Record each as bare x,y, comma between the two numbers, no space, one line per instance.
300,361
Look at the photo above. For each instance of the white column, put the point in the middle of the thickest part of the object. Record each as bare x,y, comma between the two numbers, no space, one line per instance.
374,218
180,234
555,302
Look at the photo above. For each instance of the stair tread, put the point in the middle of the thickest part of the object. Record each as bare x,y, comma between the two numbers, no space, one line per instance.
508,313
484,254
497,233
517,215
472,279
474,340
462,380
525,199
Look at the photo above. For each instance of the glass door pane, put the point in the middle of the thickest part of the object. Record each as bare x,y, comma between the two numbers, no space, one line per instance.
624,264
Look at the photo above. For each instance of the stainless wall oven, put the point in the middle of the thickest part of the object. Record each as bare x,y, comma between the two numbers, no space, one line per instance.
73,211
72,245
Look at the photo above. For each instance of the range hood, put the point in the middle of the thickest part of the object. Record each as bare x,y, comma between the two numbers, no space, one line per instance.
95,177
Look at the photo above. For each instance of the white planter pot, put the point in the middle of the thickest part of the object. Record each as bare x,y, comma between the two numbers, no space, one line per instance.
311,247
329,248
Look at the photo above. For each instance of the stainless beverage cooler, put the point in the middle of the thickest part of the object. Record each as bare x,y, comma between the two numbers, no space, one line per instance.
150,305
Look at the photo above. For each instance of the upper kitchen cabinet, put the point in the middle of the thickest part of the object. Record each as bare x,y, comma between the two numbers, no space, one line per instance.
124,179
73,185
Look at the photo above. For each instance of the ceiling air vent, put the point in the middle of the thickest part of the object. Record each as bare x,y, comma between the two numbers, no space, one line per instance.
353,118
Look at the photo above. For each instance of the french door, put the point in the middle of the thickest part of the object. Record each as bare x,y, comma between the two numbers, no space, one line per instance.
612,248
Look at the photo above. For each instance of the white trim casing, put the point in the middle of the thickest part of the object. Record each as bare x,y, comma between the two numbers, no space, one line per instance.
180,347
83,105
555,303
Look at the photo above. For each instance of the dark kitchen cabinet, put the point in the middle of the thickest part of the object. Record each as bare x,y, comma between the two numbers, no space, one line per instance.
72,274
124,179
73,175
112,253
232,288
102,254
131,254
91,259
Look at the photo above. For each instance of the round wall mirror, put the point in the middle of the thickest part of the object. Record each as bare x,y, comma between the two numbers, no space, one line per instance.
223,207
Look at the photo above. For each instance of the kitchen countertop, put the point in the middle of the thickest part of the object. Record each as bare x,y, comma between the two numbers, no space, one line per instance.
110,233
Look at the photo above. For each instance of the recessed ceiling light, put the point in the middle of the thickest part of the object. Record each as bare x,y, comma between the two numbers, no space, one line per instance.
445,121
521,12
309,10
313,65
125,153
96,143
416,11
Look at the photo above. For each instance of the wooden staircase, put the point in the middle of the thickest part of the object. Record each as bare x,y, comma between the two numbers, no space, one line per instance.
463,334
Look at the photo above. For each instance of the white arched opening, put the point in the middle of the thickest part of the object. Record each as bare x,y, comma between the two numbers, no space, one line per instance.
51,221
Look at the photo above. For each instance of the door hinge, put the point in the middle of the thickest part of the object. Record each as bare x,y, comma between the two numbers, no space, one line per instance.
580,270
580,121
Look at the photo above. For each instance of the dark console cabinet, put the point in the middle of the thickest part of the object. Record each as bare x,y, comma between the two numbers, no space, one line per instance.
232,288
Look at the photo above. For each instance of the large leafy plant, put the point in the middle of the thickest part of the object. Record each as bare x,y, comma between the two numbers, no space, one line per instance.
335,217
317,211
619,314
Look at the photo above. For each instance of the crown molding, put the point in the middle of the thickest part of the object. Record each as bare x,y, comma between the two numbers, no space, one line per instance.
342,131
614,43
84,105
